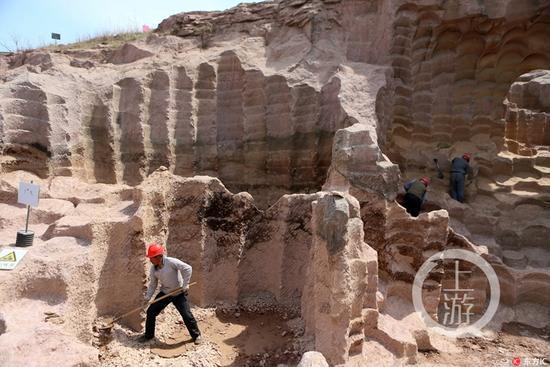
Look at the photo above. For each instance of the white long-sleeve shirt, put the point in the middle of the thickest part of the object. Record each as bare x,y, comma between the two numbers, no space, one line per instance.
174,274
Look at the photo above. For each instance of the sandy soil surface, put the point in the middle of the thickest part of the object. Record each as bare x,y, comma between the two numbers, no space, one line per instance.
500,349
236,338
246,339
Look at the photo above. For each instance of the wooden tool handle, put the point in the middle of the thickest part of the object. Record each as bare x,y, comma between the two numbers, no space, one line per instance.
178,290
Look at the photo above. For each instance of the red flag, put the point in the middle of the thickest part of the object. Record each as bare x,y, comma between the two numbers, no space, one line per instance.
146,28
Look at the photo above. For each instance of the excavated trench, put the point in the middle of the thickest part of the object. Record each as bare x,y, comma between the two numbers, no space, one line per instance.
256,133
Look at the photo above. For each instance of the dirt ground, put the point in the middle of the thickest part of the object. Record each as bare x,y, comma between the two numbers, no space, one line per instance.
515,341
235,338
251,338
240,338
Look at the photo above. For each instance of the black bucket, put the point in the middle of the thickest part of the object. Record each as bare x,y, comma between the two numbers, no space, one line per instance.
24,238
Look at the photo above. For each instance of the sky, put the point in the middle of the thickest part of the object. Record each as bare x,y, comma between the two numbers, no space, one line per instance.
29,23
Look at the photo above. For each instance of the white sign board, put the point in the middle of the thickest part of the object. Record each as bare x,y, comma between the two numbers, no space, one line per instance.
10,257
28,194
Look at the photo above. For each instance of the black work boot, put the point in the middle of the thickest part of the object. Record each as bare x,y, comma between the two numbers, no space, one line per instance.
197,340
145,338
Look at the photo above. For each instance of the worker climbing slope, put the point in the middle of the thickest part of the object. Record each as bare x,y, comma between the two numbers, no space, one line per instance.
460,167
172,274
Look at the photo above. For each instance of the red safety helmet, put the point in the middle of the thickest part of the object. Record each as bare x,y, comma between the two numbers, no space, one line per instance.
154,250
425,180
467,156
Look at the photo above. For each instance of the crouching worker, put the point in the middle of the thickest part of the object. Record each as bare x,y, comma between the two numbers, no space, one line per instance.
172,274
415,195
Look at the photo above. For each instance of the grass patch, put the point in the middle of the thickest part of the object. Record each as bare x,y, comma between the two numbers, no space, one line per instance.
109,39
106,39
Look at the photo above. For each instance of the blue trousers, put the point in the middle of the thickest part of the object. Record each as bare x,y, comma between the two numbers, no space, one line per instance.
457,186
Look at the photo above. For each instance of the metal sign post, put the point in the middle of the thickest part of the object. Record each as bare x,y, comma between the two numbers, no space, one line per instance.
28,194
27,222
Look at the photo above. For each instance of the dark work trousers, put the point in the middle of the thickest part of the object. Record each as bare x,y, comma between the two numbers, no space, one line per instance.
181,304
457,186
413,204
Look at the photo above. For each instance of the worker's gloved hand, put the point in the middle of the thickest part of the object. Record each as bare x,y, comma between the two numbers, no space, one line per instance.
185,289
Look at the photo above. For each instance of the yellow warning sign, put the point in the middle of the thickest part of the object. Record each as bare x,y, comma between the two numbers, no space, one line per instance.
10,256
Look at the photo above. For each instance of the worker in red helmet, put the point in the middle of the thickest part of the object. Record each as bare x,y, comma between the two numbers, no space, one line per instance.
460,167
172,274
415,195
